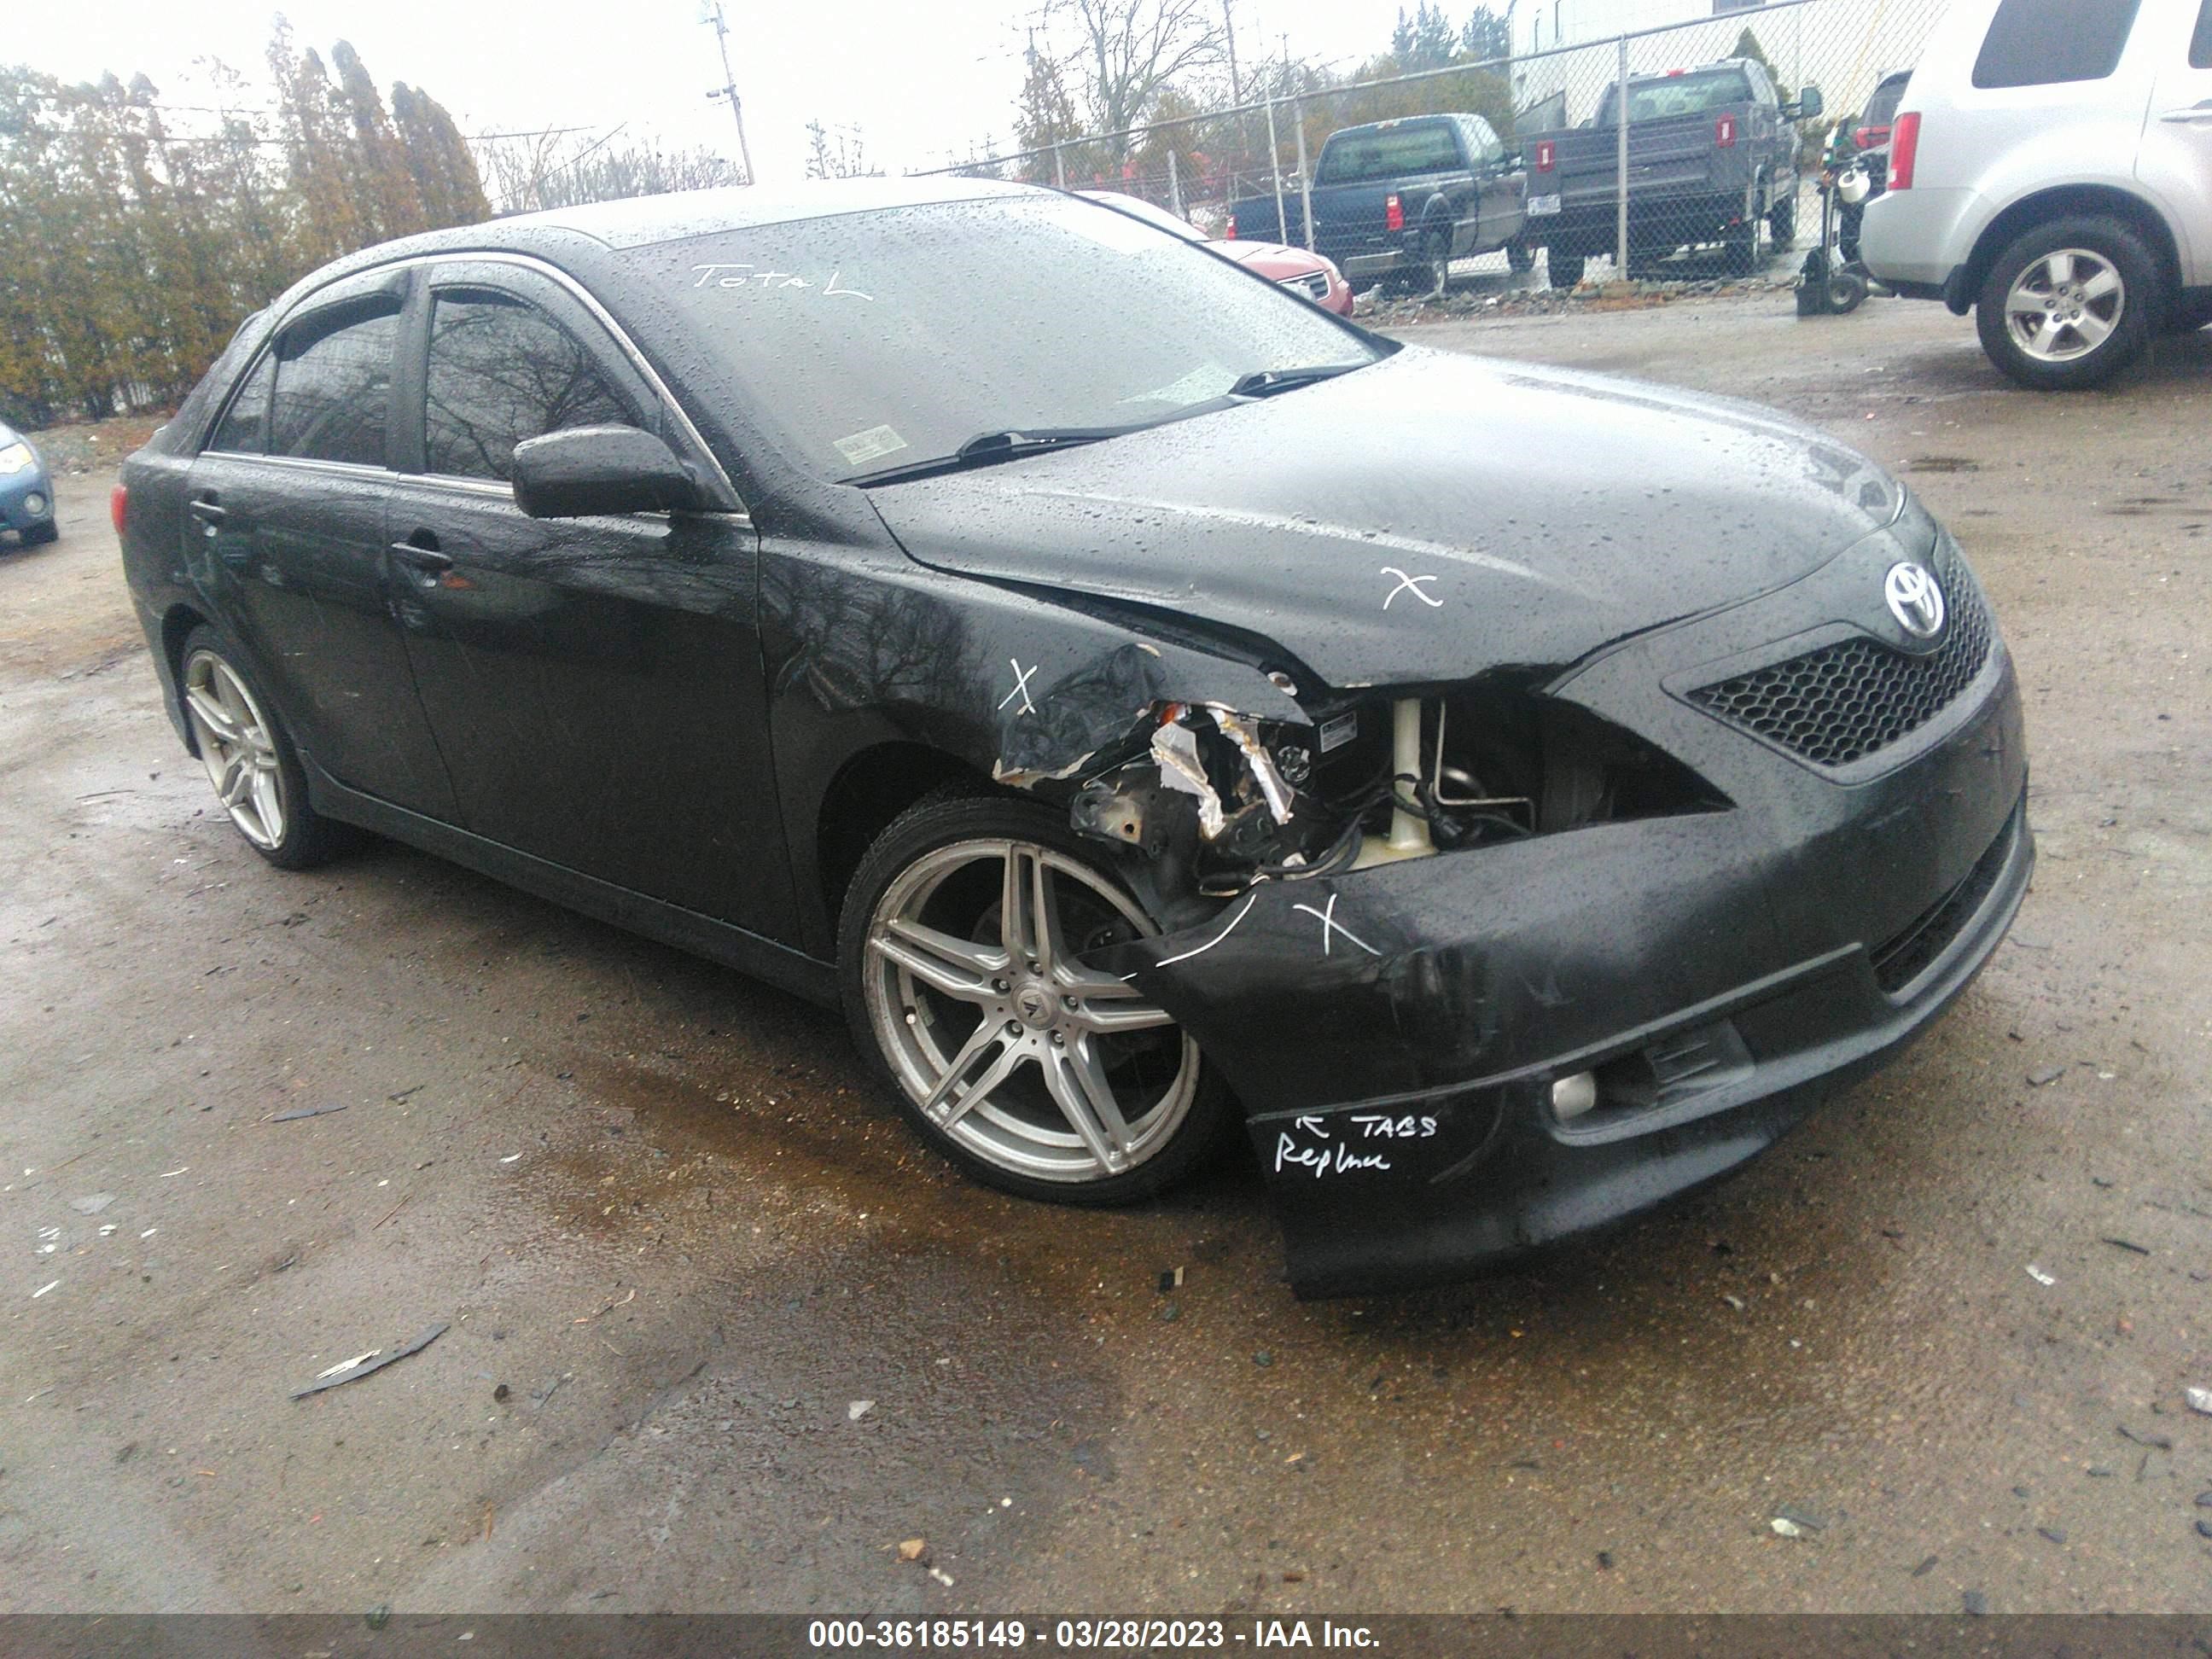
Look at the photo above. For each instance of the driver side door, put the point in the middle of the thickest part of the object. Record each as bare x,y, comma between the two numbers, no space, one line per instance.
595,684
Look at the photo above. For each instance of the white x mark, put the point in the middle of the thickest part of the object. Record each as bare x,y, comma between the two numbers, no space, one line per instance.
1330,926
1021,677
1409,585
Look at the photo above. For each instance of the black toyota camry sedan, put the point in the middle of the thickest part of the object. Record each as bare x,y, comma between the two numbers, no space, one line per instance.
1150,706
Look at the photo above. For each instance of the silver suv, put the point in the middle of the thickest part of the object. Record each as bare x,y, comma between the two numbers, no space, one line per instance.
2050,166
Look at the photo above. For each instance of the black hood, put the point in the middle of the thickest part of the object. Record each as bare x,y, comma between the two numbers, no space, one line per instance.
1422,519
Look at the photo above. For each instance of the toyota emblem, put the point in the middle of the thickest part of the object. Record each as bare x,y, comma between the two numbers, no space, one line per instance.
1915,600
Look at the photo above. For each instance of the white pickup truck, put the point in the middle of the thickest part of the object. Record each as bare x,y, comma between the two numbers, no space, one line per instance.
2051,169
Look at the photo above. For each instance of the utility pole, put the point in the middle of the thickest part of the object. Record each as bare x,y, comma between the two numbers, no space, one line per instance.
1229,27
729,87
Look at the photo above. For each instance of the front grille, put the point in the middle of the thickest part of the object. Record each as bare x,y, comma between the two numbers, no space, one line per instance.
1313,284
1855,698
1898,962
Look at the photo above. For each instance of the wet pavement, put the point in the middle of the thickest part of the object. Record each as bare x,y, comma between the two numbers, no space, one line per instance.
720,1336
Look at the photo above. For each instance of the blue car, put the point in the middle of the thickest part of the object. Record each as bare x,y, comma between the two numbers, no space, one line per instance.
26,495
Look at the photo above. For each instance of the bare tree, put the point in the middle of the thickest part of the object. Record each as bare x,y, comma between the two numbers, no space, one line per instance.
843,153
528,172
1121,54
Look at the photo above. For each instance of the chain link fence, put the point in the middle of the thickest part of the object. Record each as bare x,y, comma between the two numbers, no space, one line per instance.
1249,171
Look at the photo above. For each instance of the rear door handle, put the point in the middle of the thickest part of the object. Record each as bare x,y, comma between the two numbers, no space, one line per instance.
206,512
428,560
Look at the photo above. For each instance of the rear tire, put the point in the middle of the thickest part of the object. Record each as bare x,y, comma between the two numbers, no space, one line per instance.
1741,245
1563,269
1436,257
2069,304
985,1028
1783,221
250,759
1520,258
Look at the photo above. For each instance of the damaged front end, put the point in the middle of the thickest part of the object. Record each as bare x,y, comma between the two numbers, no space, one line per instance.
1487,969
1220,801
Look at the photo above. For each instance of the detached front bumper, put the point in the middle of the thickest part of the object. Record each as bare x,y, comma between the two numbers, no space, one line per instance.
1395,1033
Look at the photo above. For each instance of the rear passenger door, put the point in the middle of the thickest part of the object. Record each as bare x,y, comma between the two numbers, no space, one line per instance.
2175,162
595,684
285,534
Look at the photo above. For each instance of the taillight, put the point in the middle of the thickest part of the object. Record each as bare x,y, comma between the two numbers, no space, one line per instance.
1547,155
118,508
1903,148
1724,132
1233,228
1870,137
1394,212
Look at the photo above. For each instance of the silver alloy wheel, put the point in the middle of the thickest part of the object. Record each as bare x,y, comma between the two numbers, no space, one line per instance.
237,747
2065,305
1031,1061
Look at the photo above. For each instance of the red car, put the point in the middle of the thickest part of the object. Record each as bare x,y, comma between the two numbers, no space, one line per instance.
1304,273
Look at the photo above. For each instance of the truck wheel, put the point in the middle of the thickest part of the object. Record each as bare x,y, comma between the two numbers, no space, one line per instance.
1741,245
1783,221
1436,257
1564,269
2069,304
1520,258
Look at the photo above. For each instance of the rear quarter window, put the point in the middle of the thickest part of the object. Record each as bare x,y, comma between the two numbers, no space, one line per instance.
2200,44
2036,43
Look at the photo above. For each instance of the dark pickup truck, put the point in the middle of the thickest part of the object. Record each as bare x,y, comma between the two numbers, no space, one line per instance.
1398,201
1711,154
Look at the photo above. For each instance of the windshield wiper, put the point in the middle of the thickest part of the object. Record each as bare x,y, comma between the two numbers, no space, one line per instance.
1266,382
986,448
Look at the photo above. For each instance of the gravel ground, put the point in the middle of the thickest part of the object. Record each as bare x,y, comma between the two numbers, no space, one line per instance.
1943,1332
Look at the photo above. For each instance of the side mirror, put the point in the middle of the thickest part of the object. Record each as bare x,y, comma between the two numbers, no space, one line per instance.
1809,103
589,470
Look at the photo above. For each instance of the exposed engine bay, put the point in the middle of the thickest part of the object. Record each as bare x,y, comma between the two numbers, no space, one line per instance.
1220,801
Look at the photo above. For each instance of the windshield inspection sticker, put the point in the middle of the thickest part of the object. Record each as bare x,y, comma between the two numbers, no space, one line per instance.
865,446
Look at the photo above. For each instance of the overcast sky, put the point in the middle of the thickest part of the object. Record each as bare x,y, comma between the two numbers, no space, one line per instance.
921,79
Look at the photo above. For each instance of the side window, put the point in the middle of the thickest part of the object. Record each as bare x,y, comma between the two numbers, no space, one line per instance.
1482,141
244,426
500,372
2036,43
333,391
2200,44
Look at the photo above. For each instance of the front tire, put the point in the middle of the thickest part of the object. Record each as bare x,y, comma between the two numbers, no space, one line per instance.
959,950
250,759
2069,304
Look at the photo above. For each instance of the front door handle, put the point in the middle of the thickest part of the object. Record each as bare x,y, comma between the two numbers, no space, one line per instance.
428,560
2194,113
207,512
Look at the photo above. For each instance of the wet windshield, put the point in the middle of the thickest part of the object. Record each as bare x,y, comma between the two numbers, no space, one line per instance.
879,339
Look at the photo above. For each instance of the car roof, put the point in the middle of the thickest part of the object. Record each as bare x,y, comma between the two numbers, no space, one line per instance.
641,221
